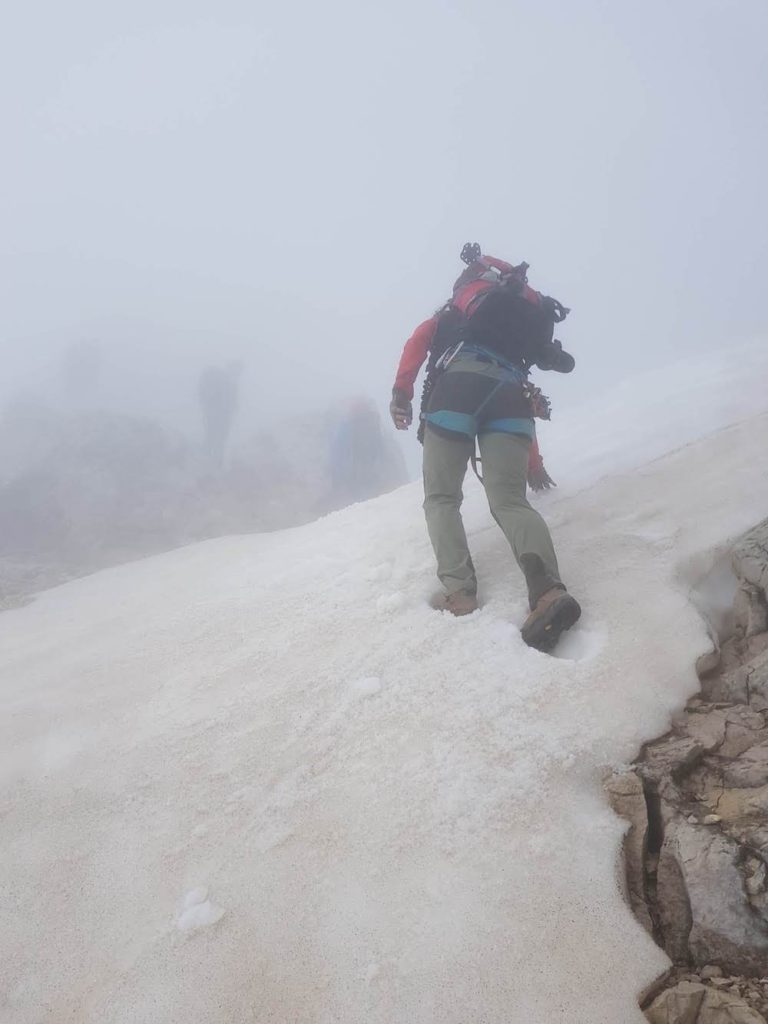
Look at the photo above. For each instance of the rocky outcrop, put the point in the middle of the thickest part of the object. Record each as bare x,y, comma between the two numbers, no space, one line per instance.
696,852
692,1002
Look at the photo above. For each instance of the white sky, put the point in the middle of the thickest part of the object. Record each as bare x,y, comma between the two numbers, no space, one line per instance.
291,184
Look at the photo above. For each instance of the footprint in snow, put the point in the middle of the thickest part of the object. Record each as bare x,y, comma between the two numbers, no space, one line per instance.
579,645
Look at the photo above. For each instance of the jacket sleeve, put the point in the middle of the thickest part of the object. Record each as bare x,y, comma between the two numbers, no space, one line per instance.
413,356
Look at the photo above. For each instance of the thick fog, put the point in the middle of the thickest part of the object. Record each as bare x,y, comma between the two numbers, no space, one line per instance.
291,184
190,184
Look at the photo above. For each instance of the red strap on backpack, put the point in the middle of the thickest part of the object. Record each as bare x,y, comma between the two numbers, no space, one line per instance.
485,273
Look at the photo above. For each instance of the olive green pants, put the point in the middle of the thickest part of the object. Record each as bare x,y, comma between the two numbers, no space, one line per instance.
505,473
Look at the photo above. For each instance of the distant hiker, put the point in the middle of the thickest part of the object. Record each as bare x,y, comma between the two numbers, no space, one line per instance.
363,463
480,347
217,391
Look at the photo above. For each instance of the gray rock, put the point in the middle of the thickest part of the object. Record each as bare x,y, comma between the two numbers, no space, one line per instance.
755,646
727,1008
749,611
741,811
755,883
756,681
749,771
744,728
703,907
673,904
711,971
750,557
756,838
707,663
678,1005
745,681
670,757
691,1003
706,727
729,685
626,796
709,777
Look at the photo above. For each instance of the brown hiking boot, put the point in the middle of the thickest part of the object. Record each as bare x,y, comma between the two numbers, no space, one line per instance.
460,602
555,612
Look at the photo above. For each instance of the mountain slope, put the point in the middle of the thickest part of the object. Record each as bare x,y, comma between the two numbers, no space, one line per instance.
373,812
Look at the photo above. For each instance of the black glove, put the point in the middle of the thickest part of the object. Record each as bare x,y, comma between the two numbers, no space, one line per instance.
400,409
554,357
539,479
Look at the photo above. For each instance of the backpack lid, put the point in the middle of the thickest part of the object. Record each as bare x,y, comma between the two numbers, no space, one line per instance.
481,275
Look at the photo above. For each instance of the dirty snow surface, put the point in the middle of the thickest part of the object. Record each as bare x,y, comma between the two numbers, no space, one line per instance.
259,780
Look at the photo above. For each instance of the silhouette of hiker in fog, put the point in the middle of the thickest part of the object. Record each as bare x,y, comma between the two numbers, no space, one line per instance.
362,462
218,392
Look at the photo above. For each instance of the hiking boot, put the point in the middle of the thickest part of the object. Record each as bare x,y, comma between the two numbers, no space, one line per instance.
555,612
460,602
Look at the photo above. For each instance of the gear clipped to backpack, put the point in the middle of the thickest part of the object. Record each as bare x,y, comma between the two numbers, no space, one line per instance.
470,252
541,407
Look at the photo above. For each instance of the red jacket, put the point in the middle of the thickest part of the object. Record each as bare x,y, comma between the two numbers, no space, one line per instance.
414,355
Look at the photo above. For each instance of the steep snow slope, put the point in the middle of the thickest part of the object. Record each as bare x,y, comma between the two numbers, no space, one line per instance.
259,780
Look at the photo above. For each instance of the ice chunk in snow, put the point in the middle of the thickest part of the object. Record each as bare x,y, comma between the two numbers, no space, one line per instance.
371,972
193,897
197,911
389,603
366,687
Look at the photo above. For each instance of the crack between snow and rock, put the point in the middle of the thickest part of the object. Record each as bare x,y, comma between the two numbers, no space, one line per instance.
722,790
685,785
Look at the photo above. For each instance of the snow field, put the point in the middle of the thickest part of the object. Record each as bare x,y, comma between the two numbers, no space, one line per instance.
260,780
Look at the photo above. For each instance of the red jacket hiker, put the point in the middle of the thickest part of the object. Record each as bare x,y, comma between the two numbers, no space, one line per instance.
480,347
